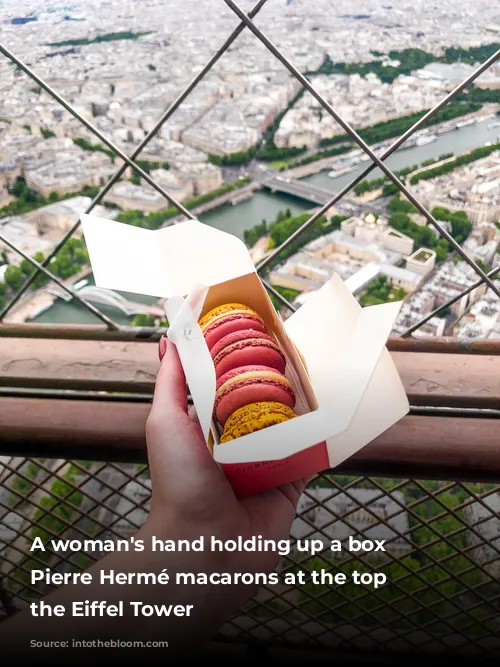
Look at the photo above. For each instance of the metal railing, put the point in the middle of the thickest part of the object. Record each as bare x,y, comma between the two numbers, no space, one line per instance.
246,21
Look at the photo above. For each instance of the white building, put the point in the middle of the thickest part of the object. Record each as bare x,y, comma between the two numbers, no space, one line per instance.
68,172
339,517
57,218
369,228
398,277
447,282
482,320
177,185
396,241
5,198
372,229
130,197
24,235
487,543
473,188
222,131
134,512
336,252
422,261
404,279
204,176
10,526
355,248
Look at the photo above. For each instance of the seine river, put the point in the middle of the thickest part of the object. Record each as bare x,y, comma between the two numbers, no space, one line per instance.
235,219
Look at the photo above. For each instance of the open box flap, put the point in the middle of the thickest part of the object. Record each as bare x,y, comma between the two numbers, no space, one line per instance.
196,361
342,353
382,405
164,262
342,345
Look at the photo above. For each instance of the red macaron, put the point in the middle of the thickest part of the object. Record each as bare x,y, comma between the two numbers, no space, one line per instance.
250,384
246,348
227,324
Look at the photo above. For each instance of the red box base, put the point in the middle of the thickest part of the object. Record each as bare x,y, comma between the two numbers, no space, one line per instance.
250,478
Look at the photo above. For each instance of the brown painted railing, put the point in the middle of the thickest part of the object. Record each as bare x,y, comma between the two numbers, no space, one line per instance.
51,387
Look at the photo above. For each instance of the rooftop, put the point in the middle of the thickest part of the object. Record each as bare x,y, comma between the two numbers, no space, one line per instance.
325,512
423,255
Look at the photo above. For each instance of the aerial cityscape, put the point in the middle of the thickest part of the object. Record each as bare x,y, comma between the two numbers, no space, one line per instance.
249,152
248,144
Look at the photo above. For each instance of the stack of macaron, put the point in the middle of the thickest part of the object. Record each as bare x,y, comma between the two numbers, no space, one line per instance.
252,391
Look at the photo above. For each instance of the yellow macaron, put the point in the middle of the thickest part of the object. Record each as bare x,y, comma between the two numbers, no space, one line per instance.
254,417
225,309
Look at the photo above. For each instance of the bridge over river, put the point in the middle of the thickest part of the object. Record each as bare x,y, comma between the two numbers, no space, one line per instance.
109,297
319,196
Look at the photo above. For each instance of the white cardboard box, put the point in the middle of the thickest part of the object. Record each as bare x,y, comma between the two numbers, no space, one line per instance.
347,386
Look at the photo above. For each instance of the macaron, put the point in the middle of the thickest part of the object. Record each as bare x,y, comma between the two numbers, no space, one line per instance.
255,417
250,384
228,318
246,348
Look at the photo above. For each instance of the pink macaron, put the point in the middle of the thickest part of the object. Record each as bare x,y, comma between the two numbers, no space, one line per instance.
227,324
246,348
250,384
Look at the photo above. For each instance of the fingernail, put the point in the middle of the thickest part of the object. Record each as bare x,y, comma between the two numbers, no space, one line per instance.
162,347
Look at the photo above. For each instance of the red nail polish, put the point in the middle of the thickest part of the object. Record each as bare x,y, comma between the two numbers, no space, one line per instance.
162,347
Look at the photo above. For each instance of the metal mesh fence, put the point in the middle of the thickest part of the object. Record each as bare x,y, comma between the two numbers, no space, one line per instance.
246,21
441,558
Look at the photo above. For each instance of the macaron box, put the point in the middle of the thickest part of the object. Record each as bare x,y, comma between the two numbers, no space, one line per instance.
276,400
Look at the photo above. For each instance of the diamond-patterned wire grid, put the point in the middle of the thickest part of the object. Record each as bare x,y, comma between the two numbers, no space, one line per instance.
442,556
246,21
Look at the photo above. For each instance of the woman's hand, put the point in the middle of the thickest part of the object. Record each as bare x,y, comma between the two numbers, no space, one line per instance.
190,491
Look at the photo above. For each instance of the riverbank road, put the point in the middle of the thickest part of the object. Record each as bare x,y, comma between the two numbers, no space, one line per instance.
33,303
